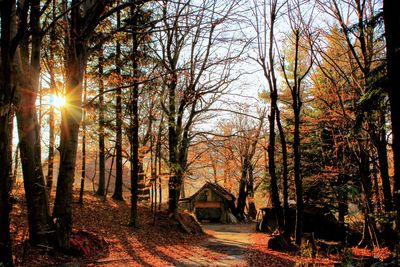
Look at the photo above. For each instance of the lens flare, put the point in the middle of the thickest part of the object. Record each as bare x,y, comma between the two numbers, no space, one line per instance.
57,101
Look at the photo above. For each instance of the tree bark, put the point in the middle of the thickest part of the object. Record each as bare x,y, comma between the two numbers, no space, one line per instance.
35,189
13,169
250,192
83,171
134,124
71,117
285,174
378,136
159,156
50,168
134,129
296,94
241,202
266,59
174,188
5,181
384,166
5,186
392,34
84,17
370,231
276,203
173,183
6,91
118,131
297,173
28,130
102,158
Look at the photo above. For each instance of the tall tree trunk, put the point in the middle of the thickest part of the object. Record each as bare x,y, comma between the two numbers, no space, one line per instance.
241,202
159,156
183,194
102,157
13,169
384,165
7,23
71,117
377,195
28,130
83,171
134,125
269,74
392,34
50,168
16,160
134,157
297,173
173,183
369,235
377,132
82,21
35,189
174,188
250,192
118,178
285,174
5,179
153,177
296,93
276,203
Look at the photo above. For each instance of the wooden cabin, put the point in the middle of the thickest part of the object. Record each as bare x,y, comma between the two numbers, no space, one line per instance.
211,203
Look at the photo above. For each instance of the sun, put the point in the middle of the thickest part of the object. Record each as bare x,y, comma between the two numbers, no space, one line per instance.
57,101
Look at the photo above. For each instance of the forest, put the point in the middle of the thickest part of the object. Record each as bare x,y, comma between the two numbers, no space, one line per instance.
114,113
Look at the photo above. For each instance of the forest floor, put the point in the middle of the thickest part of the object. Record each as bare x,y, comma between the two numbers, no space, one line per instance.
101,234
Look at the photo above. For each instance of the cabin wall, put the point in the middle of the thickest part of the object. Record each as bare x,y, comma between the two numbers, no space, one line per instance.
206,204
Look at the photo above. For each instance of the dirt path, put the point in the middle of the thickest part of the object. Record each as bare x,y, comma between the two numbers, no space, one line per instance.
231,241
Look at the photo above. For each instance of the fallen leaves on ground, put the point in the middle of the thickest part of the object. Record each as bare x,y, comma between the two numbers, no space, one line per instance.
102,235
260,254
162,244
378,253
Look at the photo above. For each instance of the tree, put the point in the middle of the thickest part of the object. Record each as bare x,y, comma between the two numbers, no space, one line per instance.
187,53
7,50
392,32
265,27
82,21
248,139
118,121
102,158
364,51
50,65
84,122
134,117
294,81
334,121
28,130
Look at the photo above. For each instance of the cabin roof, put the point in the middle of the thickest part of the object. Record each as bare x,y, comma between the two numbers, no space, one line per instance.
219,190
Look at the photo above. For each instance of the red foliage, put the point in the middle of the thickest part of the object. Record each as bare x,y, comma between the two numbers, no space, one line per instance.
379,253
260,254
